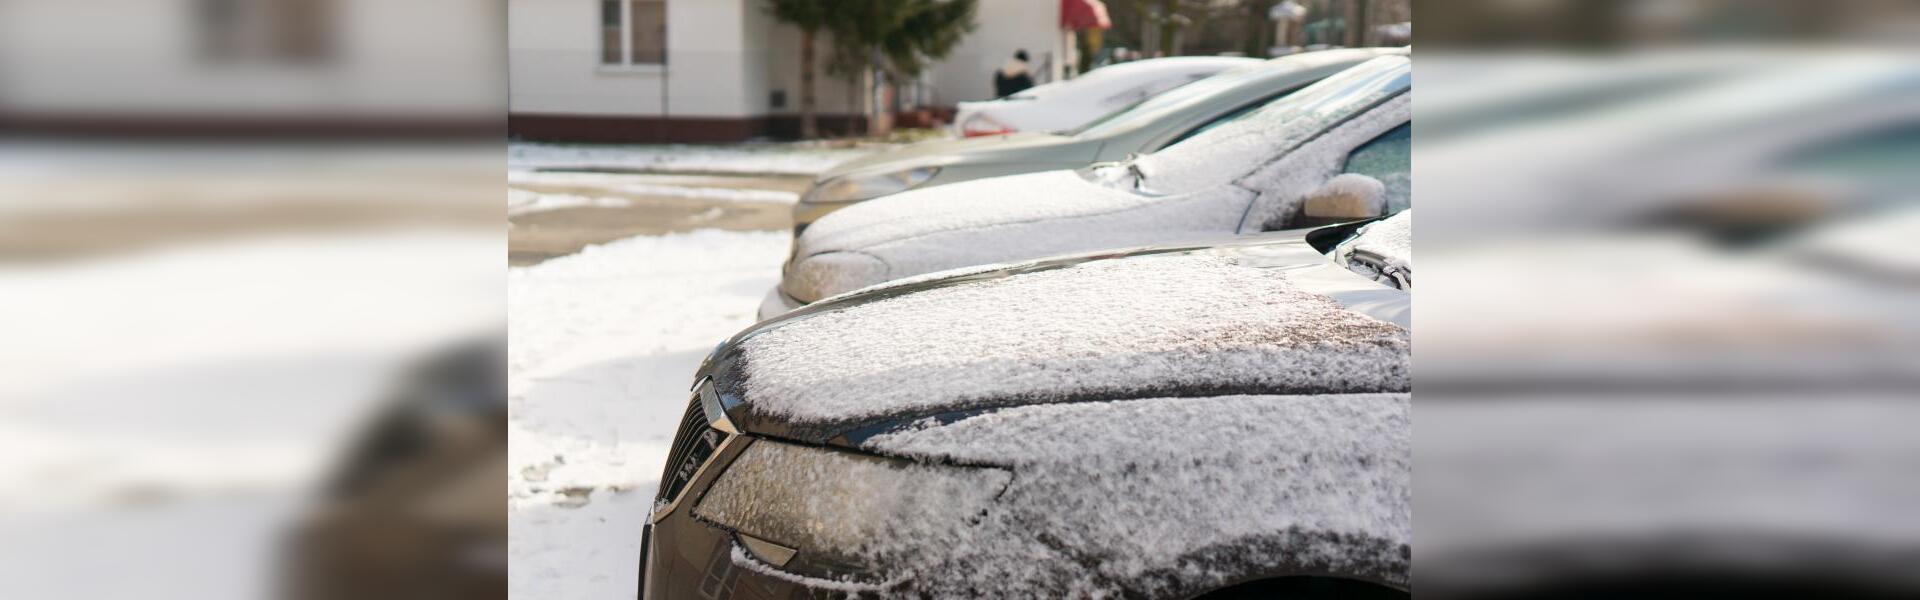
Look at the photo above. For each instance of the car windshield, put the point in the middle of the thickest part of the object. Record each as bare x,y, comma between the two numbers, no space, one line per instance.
1095,79
1236,148
1181,98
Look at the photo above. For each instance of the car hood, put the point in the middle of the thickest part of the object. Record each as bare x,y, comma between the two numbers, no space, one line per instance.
954,151
994,220
1265,316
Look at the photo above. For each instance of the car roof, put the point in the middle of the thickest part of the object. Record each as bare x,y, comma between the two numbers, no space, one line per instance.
1098,81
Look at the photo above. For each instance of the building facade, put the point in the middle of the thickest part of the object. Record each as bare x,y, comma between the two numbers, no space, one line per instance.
723,70
250,67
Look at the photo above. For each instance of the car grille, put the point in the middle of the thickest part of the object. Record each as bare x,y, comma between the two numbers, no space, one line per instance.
693,444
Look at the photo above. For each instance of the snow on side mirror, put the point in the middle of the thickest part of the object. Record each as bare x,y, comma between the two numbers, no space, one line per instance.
1346,197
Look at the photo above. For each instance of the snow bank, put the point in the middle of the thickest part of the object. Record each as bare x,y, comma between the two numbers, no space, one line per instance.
1131,328
1166,497
649,185
520,202
239,366
164,412
602,346
794,159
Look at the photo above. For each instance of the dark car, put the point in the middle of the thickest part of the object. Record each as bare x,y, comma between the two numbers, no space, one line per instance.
1220,421
414,510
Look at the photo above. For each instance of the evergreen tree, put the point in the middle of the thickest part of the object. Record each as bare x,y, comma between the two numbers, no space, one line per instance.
811,17
893,39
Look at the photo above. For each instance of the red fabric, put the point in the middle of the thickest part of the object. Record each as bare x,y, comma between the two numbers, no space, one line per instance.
1084,14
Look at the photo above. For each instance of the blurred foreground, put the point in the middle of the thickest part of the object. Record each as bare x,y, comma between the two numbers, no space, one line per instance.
198,333
1669,341
233,233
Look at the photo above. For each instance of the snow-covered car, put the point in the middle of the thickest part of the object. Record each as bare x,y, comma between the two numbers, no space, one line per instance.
1144,127
1217,421
1339,149
1063,105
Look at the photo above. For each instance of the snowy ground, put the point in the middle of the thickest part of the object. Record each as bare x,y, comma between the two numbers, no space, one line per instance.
763,158
165,413
604,343
604,340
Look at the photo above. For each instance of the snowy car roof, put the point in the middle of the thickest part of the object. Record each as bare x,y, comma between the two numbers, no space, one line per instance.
1102,80
1201,323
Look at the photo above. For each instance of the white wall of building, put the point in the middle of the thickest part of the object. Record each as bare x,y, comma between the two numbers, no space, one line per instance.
555,67
144,58
779,61
727,58
1003,26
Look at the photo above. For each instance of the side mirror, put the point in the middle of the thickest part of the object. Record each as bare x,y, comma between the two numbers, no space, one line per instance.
1345,197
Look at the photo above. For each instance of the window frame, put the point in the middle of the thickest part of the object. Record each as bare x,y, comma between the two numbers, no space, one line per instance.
626,33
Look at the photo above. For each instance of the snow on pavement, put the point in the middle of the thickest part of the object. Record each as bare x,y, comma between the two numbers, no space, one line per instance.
220,367
520,202
767,158
603,345
165,412
634,184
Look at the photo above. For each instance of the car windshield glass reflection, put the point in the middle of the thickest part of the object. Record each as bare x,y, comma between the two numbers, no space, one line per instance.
1282,124
1175,100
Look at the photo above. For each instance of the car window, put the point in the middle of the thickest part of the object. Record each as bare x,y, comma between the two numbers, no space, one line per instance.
1234,115
1884,153
1186,97
1128,97
1098,81
1262,135
1141,93
1388,158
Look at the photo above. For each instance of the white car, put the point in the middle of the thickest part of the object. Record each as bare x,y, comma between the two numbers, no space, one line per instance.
1063,105
1339,149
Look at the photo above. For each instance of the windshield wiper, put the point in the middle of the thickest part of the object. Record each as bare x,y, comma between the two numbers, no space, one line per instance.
1380,268
1125,175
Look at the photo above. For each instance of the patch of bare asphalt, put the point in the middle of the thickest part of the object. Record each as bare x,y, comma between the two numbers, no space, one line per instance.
537,236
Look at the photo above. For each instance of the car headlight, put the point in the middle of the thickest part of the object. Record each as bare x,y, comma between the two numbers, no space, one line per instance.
816,277
832,513
868,187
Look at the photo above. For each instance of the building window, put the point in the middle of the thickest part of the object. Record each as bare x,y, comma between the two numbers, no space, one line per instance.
633,32
266,31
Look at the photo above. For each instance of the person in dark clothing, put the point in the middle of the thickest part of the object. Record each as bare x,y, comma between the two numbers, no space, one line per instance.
1012,78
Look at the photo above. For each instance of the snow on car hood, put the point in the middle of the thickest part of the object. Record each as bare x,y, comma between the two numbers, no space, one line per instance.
1191,324
1168,497
995,220
935,153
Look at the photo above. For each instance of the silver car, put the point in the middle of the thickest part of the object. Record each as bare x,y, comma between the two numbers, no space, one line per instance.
1337,150
1143,128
